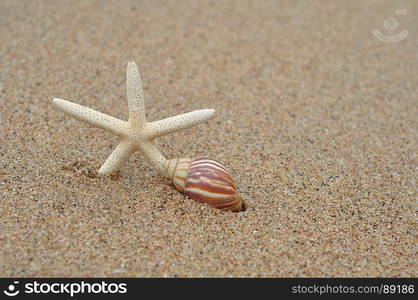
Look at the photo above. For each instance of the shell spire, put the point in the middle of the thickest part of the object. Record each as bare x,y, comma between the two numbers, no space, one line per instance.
178,169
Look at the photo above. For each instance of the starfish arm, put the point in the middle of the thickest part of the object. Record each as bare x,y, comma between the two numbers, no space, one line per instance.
135,96
117,157
154,155
91,116
173,124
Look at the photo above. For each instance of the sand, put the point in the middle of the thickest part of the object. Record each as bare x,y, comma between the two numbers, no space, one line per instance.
315,118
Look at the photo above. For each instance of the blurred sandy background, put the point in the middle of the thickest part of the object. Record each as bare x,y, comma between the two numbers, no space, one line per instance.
315,117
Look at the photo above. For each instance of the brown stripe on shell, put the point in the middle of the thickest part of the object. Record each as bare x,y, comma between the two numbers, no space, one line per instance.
201,161
211,175
207,162
233,203
237,207
218,202
210,171
210,186
198,196
209,182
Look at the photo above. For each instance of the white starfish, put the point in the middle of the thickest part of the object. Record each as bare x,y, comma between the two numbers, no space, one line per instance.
136,133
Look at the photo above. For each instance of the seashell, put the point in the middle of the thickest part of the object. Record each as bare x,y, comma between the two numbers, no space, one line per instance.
204,180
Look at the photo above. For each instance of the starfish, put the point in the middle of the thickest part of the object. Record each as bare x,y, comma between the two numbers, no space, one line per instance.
136,133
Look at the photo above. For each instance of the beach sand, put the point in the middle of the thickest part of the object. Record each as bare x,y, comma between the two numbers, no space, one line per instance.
315,118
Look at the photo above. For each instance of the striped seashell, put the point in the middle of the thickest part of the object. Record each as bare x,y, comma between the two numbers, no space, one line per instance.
204,180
